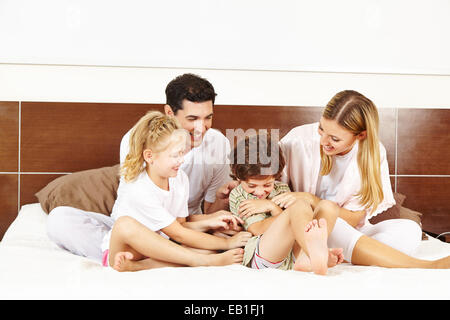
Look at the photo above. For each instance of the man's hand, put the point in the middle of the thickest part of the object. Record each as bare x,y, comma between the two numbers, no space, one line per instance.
222,196
224,191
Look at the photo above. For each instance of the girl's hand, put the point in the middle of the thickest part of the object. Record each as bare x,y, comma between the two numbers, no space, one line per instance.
224,221
286,199
250,207
239,240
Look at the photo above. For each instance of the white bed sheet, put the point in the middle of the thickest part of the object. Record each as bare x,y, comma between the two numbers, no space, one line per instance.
32,267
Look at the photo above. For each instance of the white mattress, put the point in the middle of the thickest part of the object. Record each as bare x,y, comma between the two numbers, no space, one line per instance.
32,267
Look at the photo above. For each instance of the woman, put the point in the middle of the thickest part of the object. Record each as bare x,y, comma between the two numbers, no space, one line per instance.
341,159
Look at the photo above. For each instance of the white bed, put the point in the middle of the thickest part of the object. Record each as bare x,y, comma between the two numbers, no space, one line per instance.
32,267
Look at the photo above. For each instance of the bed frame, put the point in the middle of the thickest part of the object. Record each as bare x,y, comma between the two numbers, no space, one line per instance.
41,141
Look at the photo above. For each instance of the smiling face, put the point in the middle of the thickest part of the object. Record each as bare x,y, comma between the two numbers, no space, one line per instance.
195,117
260,188
167,162
334,139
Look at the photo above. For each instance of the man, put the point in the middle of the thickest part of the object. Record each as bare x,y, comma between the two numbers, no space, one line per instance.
190,99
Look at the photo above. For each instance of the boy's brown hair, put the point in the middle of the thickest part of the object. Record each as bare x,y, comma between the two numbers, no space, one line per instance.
256,156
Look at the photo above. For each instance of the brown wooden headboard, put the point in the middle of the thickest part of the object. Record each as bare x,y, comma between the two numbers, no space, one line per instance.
44,140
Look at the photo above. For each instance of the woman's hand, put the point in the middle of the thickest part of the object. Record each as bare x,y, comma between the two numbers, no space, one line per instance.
250,207
286,199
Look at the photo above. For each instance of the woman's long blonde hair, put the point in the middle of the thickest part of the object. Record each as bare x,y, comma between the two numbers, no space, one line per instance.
356,113
150,132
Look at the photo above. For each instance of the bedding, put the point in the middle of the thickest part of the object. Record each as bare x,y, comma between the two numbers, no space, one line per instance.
32,267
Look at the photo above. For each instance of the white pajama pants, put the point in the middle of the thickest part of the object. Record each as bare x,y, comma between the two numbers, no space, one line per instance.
78,231
401,234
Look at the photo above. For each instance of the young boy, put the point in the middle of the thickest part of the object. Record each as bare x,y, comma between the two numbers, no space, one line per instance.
295,238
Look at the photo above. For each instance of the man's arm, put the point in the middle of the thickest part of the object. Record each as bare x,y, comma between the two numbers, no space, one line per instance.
222,198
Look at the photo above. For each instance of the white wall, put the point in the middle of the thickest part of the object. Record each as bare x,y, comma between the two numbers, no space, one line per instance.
254,52
146,85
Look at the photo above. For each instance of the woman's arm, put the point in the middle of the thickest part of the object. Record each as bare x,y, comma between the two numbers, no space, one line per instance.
353,218
286,199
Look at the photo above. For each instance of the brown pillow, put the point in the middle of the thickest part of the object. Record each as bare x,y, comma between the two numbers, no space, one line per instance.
399,212
90,190
391,213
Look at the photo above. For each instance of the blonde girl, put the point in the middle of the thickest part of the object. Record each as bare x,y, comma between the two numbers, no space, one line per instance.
341,159
151,206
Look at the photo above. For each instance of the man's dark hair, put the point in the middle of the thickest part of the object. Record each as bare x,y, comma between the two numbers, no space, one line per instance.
190,87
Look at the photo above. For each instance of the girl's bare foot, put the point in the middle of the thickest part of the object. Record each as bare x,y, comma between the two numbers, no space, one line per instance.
316,241
222,259
122,261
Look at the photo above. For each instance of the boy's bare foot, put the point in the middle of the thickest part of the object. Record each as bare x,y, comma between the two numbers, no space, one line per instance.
225,258
303,263
122,261
316,241
335,257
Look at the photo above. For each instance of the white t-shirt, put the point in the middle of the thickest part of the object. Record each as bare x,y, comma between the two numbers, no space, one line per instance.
152,206
328,186
207,167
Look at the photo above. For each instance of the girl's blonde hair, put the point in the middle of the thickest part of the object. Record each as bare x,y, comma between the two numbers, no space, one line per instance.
150,132
356,113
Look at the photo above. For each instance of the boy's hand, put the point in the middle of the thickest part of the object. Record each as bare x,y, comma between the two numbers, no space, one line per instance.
250,207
